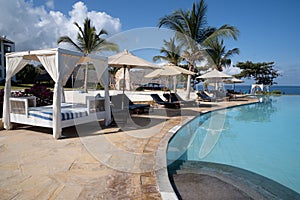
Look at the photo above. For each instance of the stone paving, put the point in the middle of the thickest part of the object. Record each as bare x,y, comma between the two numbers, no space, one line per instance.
109,163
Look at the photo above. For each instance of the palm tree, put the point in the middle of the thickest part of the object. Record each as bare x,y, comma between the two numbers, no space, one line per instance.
218,53
192,30
171,52
89,41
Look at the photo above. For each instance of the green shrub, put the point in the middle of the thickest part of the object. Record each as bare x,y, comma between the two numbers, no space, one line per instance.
276,92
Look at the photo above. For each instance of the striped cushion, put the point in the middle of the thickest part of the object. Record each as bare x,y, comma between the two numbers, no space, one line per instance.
66,113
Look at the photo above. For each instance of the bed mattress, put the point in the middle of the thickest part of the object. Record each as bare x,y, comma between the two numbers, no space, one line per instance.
67,112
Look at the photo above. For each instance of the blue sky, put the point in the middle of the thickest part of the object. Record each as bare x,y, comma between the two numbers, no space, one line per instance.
269,28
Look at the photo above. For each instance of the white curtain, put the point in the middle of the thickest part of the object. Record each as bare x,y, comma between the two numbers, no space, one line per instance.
49,62
13,66
58,67
66,66
102,76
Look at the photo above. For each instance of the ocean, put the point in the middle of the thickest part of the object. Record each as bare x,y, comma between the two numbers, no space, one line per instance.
291,90
284,89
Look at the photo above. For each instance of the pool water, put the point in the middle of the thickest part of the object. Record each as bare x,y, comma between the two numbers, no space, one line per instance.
263,138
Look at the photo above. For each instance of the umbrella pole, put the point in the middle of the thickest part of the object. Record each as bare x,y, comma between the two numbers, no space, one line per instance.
124,75
85,78
175,83
123,98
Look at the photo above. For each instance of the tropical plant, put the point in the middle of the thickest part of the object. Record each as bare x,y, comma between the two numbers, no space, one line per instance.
191,29
44,96
263,73
28,74
171,52
218,53
89,41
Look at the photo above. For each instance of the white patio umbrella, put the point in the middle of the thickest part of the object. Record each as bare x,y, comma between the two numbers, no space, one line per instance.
233,81
214,76
169,70
127,60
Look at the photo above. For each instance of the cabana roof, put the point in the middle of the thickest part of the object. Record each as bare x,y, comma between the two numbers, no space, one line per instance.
33,54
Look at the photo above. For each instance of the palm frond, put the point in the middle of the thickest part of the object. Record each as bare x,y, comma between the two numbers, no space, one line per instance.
225,31
68,40
88,40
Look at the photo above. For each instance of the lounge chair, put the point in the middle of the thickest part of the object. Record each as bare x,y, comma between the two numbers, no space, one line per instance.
167,104
173,97
128,104
221,95
138,108
169,97
204,97
235,95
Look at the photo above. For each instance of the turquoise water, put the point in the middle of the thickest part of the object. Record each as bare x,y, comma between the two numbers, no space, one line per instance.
262,137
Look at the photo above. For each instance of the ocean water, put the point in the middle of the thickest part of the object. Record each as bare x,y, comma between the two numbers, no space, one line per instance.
284,89
263,138
290,90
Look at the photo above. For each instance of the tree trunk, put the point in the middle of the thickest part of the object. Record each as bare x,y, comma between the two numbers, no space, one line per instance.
188,87
188,84
85,90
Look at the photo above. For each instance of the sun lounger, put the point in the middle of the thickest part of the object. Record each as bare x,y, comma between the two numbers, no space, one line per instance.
204,97
122,107
173,97
166,104
138,108
235,95
128,104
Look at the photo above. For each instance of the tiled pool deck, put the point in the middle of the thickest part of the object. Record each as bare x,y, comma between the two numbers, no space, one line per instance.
112,163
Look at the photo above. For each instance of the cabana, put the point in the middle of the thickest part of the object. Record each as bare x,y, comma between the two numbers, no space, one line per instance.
59,63
255,87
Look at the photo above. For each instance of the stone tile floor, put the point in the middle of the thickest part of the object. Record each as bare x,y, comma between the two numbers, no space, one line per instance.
117,162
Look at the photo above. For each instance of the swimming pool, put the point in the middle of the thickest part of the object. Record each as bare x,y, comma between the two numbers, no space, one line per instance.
263,138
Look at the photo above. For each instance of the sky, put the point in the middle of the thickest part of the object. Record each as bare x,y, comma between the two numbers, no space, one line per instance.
269,29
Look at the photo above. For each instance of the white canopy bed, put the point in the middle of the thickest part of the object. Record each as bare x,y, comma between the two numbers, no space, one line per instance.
59,63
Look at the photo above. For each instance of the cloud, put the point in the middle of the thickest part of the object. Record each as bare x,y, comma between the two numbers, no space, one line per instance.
231,70
32,27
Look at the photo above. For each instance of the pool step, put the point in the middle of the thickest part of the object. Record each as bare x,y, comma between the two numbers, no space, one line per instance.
253,184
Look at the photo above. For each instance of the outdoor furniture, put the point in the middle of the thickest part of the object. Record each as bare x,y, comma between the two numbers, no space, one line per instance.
169,70
221,96
128,104
59,63
166,104
122,107
127,60
23,110
174,97
235,95
204,97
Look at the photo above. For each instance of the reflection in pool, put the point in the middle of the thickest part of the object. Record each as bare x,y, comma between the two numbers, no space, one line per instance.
262,137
